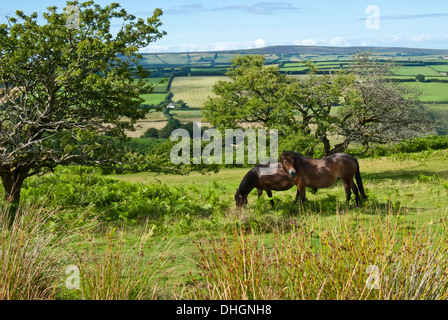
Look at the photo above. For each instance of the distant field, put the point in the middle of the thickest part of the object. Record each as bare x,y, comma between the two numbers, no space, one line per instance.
187,115
290,69
144,125
432,91
160,85
413,71
153,98
173,58
441,68
440,112
293,64
194,90
209,69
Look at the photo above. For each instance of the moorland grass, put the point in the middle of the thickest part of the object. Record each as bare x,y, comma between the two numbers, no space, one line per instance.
205,248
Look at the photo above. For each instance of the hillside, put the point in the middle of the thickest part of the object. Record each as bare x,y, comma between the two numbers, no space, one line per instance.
334,50
276,54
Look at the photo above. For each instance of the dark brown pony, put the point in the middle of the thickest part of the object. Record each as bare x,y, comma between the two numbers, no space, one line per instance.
322,173
266,177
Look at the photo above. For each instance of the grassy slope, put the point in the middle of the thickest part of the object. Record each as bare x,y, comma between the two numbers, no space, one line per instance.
409,179
413,188
431,91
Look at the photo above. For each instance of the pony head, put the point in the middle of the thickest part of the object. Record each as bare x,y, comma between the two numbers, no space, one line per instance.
240,199
287,161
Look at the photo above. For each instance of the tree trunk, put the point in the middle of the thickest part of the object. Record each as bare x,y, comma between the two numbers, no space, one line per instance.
12,183
327,145
341,147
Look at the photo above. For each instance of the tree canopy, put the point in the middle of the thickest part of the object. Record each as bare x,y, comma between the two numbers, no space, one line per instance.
323,113
64,92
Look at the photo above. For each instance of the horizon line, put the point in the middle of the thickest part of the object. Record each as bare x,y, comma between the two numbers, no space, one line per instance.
292,45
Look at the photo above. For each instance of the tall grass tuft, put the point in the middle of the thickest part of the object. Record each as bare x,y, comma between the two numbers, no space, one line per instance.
118,270
344,258
32,253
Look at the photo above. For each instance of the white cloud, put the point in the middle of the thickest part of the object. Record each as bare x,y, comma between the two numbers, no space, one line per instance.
214,46
391,40
260,43
308,42
338,42
335,42
421,38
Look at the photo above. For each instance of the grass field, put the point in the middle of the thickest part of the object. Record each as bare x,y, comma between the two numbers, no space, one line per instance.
194,90
410,181
413,71
187,115
160,85
440,112
163,236
431,91
412,190
402,229
153,98
443,68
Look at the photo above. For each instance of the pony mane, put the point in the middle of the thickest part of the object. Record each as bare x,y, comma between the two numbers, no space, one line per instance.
249,180
293,154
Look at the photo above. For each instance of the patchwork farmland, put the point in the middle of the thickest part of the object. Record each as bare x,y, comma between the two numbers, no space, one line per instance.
190,76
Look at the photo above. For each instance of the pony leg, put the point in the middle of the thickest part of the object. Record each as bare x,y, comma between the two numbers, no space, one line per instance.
260,192
301,190
269,192
355,191
348,192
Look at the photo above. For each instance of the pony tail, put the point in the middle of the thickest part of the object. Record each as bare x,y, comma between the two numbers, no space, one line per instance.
359,181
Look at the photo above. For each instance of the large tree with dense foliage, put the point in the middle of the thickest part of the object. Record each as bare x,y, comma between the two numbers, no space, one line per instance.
359,106
377,110
64,91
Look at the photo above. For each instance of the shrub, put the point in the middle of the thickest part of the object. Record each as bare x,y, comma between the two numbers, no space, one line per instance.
151,133
119,201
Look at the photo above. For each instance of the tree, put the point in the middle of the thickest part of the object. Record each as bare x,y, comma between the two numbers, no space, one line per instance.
420,78
181,104
360,106
376,110
151,133
262,96
171,125
63,90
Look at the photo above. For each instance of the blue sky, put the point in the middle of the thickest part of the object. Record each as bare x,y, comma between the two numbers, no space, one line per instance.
199,25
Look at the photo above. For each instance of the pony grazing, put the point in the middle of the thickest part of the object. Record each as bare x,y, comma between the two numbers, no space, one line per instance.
266,177
322,173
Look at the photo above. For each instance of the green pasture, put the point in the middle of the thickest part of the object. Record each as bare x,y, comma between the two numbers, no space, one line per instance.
173,58
153,98
190,220
440,68
293,64
291,69
418,182
224,58
431,91
413,71
220,70
160,85
440,112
